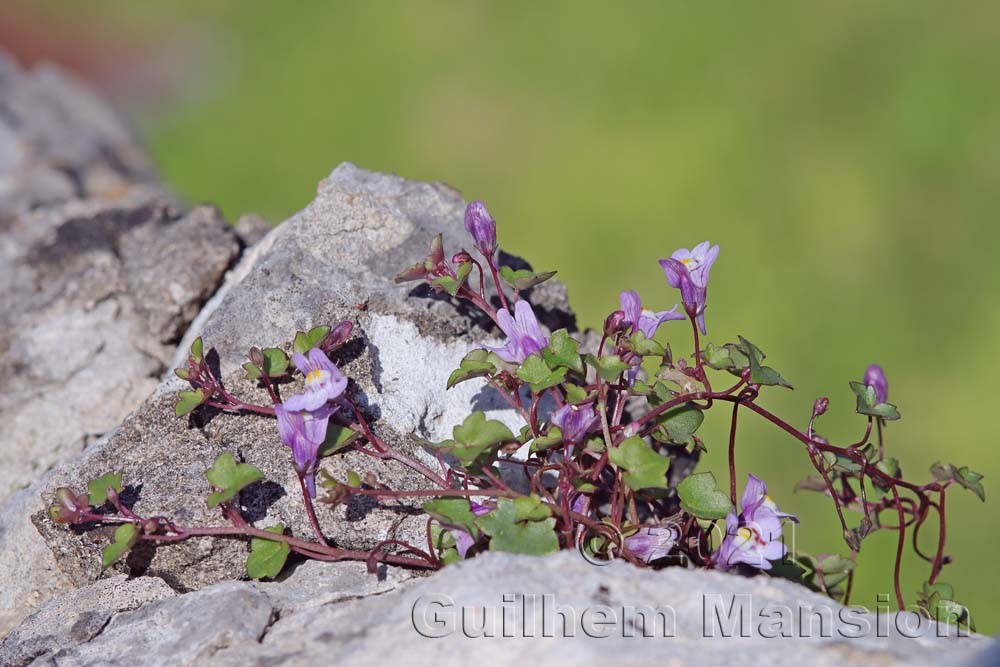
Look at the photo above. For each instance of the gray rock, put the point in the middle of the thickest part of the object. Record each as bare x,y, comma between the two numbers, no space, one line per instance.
333,261
95,295
78,616
61,141
396,628
558,610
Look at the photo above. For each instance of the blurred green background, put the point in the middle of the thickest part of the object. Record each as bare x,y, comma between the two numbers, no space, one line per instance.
841,153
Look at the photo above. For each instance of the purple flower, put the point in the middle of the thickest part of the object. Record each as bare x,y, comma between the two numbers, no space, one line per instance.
642,320
524,335
687,270
754,536
575,422
324,382
304,432
463,540
483,228
875,378
652,542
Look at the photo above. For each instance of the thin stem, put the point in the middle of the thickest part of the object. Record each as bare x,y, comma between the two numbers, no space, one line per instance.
311,511
732,454
899,549
939,556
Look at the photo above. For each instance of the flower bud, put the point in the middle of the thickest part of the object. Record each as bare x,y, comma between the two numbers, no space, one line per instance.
614,323
820,406
875,378
483,228
461,257
256,357
68,505
337,336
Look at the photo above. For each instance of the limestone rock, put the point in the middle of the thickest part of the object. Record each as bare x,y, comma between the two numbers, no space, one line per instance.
497,609
333,261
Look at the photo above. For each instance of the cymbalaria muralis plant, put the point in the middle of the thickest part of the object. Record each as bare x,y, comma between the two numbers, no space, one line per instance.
592,468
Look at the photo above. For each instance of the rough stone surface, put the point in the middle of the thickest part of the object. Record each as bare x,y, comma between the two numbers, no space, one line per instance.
333,261
339,612
77,617
101,272
60,141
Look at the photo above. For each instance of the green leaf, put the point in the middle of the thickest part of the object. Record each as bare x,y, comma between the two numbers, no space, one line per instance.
550,439
576,394
937,601
719,358
337,438
477,363
678,425
125,537
523,279
98,488
646,347
609,367
964,477
353,479
454,512
228,477
182,373
450,284
276,361
196,350
868,406
267,557
188,401
252,371
473,439
563,352
306,340
835,569
522,525
700,497
538,375
644,468
762,375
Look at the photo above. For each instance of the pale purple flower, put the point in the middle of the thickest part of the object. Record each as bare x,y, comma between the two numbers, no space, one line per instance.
483,228
324,382
304,432
754,536
640,319
875,378
524,335
575,422
653,542
463,540
687,270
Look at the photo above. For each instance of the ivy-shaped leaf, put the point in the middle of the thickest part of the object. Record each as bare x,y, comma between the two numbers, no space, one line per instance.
228,477
126,536
477,363
563,352
197,348
937,601
306,340
522,525
964,477
576,394
267,557
678,425
522,279
609,367
700,497
867,403
550,439
538,375
762,375
474,439
188,401
450,284
454,512
98,488
337,438
644,468
645,347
